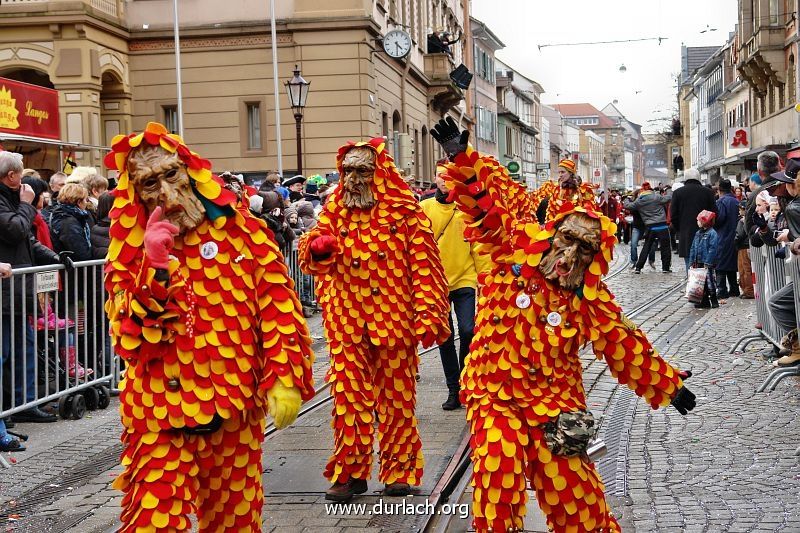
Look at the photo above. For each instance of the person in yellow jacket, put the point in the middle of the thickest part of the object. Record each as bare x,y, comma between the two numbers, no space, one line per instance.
462,263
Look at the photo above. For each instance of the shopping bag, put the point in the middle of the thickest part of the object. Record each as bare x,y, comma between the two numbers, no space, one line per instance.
696,284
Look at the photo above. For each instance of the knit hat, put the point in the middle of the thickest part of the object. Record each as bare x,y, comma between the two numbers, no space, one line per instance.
311,188
706,218
568,165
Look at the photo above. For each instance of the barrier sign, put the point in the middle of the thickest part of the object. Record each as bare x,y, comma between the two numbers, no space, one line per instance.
46,281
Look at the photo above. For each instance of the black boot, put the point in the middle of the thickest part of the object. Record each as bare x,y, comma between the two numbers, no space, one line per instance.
452,402
714,301
704,303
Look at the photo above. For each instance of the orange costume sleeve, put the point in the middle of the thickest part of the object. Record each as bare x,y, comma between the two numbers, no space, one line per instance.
431,309
631,358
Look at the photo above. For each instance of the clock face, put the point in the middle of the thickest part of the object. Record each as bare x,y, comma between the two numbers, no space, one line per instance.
397,43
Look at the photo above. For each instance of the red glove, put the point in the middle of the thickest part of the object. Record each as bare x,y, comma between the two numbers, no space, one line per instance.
159,237
323,246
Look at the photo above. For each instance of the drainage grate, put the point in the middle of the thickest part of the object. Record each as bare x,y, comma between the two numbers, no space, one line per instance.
616,430
48,523
59,486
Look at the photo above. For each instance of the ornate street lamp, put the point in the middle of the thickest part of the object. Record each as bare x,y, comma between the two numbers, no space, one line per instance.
297,89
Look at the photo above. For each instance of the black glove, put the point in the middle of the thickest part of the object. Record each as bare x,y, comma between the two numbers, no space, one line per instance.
452,140
759,220
684,401
65,259
780,253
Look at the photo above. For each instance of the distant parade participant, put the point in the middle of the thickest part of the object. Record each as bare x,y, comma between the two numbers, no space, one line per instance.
382,290
552,197
542,300
212,334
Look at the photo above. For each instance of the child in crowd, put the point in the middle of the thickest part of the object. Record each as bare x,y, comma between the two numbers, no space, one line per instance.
703,254
743,255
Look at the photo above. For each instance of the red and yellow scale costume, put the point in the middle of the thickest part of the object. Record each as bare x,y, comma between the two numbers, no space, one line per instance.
522,371
558,199
211,341
380,292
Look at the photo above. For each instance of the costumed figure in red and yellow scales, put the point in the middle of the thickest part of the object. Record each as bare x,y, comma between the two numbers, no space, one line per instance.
542,300
203,313
382,290
554,197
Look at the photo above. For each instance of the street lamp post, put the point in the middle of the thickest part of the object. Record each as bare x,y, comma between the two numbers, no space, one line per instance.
297,89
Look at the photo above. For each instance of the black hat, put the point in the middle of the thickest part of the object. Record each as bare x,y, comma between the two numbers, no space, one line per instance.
294,179
789,174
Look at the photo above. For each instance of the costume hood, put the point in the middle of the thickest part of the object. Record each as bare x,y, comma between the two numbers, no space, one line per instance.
387,185
530,256
129,216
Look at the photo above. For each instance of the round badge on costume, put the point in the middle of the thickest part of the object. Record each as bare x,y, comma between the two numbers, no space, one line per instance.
554,319
209,250
523,301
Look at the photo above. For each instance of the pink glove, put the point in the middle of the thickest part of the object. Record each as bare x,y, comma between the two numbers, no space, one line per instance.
159,237
323,245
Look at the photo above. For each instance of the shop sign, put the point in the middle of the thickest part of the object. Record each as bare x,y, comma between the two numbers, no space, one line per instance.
27,109
739,138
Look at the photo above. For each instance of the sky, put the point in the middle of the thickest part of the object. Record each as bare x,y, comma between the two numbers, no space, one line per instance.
571,74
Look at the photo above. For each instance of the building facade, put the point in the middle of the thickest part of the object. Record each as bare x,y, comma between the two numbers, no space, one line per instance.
113,63
484,86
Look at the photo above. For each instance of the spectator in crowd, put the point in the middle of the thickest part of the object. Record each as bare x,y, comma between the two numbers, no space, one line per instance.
768,165
57,181
294,221
738,192
462,263
273,214
19,248
305,210
310,194
7,442
743,256
781,303
727,219
96,185
70,231
704,253
651,206
99,236
69,224
687,202
41,229
295,186
637,232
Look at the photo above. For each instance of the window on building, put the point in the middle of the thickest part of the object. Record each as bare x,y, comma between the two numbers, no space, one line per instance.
509,141
171,118
771,98
254,126
781,96
791,80
774,11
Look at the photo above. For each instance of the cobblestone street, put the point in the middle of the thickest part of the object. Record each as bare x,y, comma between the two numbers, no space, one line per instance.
728,466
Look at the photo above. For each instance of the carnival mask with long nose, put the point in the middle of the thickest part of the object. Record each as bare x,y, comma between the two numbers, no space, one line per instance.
358,170
160,179
575,244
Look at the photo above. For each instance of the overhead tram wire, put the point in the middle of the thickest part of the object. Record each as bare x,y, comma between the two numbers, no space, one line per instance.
659,39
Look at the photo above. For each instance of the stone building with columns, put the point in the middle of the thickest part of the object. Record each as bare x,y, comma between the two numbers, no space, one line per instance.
113,65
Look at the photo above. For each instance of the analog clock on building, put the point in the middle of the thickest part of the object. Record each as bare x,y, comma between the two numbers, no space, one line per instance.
397,43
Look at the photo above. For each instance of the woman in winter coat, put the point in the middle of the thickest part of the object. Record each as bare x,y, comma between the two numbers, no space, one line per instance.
69,222
99,236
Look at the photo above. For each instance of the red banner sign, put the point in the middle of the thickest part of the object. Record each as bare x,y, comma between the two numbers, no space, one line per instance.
27,109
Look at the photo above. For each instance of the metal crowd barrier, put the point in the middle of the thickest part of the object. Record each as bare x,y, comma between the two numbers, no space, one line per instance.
303,283
792,267
50,318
